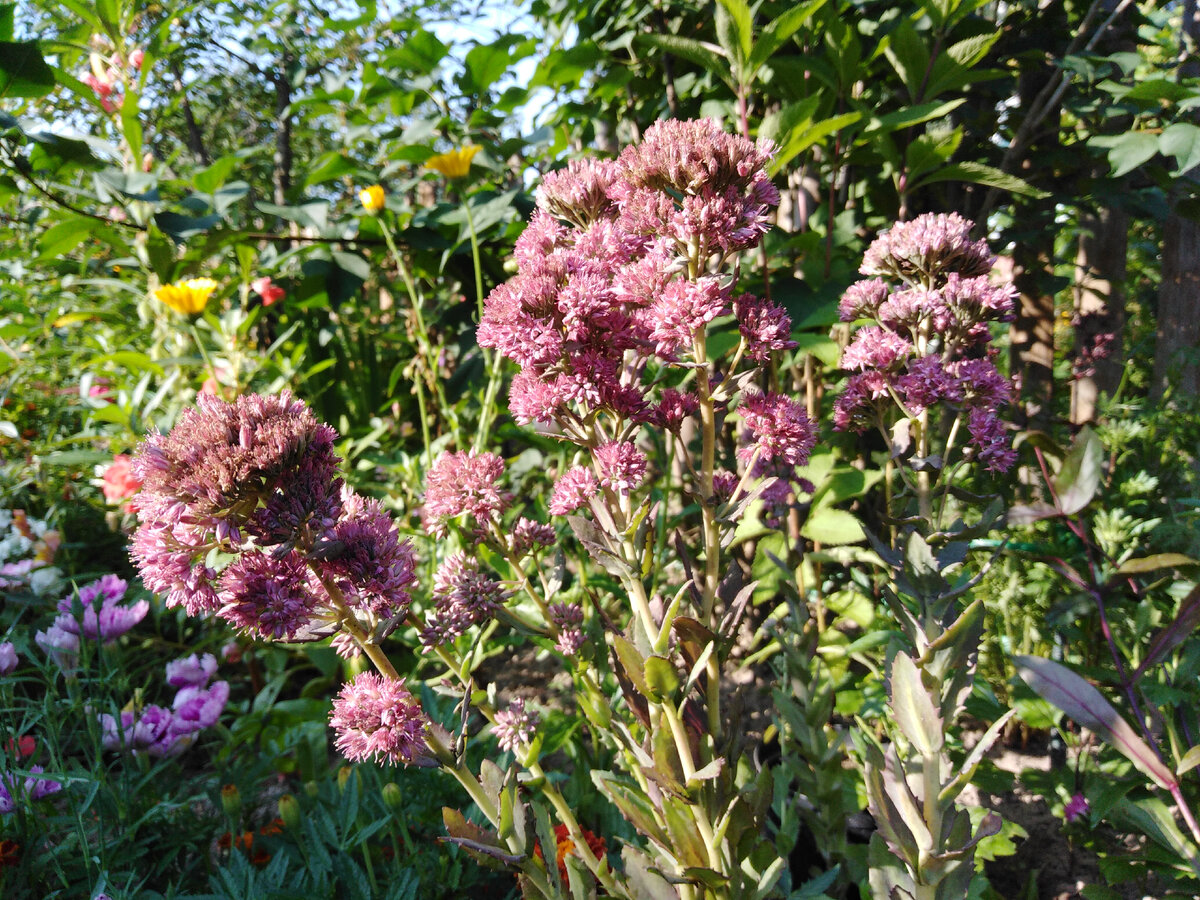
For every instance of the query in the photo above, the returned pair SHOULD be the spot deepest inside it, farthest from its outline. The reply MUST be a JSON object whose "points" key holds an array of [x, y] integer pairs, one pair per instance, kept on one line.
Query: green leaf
{"points": [[1154, 563], [801, 140], [916, 714], [1190, 760], [1127, 151], [779, 30], [708, 56], [661, 678], [65, 236], [828, 525], [6, 21], [907, 53], [735, 32], [978, 173], [912, 115], [1079, 476], [420, 53], [1078, 699], [1181, 141], [972, 50], [23, 71]]}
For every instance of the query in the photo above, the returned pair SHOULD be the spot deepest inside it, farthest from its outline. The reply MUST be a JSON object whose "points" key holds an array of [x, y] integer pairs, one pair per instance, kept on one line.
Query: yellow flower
{"points": [[372, 198], [188, 297], [454, 164]]}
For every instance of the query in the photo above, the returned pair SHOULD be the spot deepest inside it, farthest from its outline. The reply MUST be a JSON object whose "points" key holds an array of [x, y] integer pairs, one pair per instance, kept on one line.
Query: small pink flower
{"points": [[268, 290], [137, 57], [573, 490], [515, 726]]}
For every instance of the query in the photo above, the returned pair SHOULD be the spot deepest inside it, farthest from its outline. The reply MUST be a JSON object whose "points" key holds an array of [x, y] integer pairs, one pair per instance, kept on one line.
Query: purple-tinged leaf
{"points": [[1174, 634], [1062, 688]]}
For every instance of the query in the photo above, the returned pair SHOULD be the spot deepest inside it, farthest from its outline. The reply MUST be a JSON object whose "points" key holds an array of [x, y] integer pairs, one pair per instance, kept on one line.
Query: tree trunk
{"points": [[1177, 348], [1099, 308], [282, 175]]}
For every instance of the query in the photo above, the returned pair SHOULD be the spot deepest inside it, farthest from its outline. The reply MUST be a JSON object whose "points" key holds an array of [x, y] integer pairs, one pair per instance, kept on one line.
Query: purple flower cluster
{"points": [[376, 717], [256, 479], [930, 302], [463, 596], [13, 789], [159, 731], [94, 614], [611, 275]]}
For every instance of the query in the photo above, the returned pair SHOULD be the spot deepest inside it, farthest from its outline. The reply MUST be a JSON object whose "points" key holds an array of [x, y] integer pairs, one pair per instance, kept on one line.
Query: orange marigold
{"points": [[566, 846]]}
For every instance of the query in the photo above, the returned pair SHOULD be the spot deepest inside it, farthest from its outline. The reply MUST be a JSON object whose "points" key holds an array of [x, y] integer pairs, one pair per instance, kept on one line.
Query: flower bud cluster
{"points": [[930, 302]]}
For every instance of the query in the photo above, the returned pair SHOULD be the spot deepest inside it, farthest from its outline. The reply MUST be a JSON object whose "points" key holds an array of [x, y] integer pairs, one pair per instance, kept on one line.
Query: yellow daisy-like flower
{"points": [[454, 164], [188, 297], [372, 198]]}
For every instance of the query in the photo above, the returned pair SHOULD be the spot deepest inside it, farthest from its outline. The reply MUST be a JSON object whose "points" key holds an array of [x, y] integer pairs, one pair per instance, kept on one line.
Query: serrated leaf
{"points": [[1062, 688], [915, 712], [708, 56], [778, 30]]}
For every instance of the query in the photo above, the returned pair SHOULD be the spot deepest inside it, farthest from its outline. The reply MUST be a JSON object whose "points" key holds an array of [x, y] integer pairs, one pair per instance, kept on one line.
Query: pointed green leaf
{"points": [[1181, 141], [978, 173], [735, 29], [1079, 477], [779, 30]]}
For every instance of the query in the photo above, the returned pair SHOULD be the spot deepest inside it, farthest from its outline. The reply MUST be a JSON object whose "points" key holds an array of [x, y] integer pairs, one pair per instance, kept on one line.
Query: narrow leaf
{"points": [[1174, 634], [1062, 688], [1154, 563], [988, 176]]}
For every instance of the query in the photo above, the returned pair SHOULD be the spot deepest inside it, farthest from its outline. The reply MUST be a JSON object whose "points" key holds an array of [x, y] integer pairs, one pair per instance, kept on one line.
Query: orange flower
{"points": [[567, 846], [454, 164]]}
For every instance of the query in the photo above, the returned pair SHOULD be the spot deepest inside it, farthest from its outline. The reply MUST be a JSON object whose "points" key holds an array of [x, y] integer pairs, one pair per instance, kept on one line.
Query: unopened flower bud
{"points": [[393, 796], [312, 788], [289, 811], [147, 162], [344, 775], [231, 800]]}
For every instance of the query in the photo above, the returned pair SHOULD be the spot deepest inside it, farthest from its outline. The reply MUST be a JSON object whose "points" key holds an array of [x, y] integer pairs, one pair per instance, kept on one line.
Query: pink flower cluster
{"points": [[257, 480], [930, 302], [159, 731], [604, 286], [376, 717]]}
